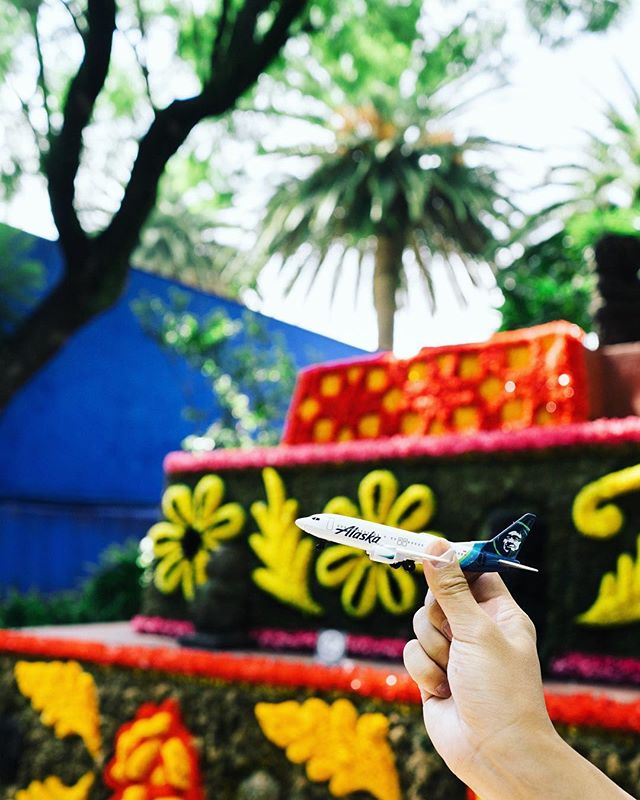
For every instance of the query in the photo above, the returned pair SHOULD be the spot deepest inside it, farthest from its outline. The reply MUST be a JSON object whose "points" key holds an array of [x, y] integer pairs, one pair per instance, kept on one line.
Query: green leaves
{"points": [[554, 278], [249, 369], [22, 279], [558, 20], [551, 280]]}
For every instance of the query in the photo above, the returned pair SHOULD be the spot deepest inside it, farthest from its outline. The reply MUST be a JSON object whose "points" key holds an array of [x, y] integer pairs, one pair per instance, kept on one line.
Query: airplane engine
{"points": [[382, 555]]}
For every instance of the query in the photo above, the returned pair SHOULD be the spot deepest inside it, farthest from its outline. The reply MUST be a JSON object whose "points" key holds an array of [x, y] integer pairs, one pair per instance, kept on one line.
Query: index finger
{"points": [[483, 586]]}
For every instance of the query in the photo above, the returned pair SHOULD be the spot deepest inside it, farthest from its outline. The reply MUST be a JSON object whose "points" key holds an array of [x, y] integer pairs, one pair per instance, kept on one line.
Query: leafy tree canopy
{"points": [[558, 21], [73, 67], [250, 370]]}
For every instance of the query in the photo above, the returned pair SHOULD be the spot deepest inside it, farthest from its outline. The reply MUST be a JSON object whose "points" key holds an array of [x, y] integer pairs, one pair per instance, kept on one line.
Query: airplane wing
{"points": [[415, 555], [516, 565]]}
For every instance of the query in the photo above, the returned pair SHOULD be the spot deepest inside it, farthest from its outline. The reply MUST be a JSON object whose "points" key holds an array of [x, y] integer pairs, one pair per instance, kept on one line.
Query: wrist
{"points": [[541, 764], [511, 765]]}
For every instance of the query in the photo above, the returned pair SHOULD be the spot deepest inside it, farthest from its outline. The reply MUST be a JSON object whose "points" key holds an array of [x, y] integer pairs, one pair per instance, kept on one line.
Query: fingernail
{"points": [[446, 629], [443, 690], [442, 548]]}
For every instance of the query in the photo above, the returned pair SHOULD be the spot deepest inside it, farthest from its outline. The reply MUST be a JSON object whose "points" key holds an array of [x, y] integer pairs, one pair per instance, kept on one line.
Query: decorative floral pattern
{"points": [[162, 626], [337, 745], [285, 553], [363, 581], [536, 376], [155, 757], [52, 788], [601, 521], [618, 601], [66, 697], [363, 646], [591, 667], [194, 526]]}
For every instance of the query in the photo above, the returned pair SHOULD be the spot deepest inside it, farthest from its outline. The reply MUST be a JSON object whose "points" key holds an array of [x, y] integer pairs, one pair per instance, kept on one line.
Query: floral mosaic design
{"points": [[195, 523], [365, 583], [618, 601], [595, 516], [593, 513], [52, 788], [280, 545], [154, 757], [66, 697], [336, 744]]}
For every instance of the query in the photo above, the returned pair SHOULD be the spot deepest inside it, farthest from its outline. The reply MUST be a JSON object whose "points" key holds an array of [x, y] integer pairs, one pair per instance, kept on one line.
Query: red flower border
{"points": [[390, 685], [595, 432]]}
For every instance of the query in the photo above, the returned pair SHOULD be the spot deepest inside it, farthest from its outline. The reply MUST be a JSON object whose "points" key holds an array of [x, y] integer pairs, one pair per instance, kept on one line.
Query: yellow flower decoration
{"points": [[195, 524], [284, 552], [601, 522], [52, 788], [66, 697], [335, 743], [618, 601], [362, 580]]}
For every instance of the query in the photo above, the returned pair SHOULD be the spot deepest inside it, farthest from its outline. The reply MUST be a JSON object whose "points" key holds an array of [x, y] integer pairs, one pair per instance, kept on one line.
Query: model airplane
{"points": [[400, 548]]}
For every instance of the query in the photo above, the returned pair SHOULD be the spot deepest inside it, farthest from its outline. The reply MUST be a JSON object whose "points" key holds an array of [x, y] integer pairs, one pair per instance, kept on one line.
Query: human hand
{"points": [[475, 662]]}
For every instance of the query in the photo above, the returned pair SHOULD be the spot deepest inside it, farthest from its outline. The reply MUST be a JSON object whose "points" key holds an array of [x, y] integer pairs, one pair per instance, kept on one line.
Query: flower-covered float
{"points": [[457, 441]]}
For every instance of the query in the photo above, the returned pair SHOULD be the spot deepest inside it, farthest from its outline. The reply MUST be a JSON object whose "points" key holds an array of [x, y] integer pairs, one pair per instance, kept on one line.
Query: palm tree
{"points": [[394, 182]]}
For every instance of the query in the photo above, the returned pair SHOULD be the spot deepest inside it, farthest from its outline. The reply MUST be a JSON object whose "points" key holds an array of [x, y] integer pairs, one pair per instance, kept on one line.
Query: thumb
{"points": [[451, 588]]}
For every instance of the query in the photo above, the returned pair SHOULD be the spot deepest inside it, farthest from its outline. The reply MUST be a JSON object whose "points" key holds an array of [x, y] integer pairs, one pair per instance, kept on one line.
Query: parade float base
{"points": [[581, 480], [114, 714]]}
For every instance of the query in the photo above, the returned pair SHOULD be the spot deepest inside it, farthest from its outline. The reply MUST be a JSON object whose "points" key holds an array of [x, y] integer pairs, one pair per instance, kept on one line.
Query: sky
{"points": [[554, 96]]}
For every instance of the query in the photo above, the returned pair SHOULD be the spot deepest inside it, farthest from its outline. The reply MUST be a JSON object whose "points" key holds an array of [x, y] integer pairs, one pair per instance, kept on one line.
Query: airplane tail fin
{"points": [[508, 542]]}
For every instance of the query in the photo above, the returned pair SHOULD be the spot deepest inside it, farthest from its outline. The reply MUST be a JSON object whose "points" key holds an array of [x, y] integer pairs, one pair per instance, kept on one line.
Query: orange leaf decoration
{"points": [[155, 757], [66, 696], [350, 751], [52, 788]]}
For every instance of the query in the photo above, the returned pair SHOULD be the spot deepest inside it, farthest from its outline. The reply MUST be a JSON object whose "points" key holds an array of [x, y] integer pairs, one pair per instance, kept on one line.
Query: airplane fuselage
{"points": [[394, 546]]}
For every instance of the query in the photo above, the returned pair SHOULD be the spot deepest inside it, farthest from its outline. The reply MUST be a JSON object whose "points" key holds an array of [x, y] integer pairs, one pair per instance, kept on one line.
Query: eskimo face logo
{"points": [[354, 532], [511, 542]]}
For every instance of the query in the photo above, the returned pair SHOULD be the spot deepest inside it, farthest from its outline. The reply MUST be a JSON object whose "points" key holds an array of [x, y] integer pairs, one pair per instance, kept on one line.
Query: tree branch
{"points": [[173, 124], [222, 28], [247, 70], [66, 146], [75, 17], [42, 80], [39, 138], [142, 62]]}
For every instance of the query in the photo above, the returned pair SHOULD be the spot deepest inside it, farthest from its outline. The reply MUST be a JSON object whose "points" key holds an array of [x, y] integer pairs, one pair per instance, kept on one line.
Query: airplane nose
{"points": [[305, 524]]}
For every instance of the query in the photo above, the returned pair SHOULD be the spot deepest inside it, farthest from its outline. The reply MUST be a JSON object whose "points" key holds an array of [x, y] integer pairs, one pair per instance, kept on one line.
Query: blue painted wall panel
{"points": [[93, 426], [51, 546]]}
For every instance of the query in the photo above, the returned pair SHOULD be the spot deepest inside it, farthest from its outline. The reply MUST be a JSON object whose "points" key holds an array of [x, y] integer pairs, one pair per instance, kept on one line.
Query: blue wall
{"points": [[81, 446]]}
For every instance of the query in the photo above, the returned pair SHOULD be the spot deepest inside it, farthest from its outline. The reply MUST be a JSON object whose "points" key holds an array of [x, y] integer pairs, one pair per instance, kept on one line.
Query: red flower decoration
{"points": [[154, 757]]}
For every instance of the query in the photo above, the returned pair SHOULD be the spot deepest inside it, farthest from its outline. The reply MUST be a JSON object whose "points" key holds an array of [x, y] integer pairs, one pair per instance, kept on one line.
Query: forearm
{"points": [[547, 768]]}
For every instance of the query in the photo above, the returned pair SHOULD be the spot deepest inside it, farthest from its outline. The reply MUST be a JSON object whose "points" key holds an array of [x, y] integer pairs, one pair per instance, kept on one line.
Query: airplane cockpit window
{"points": [[317, 519]]}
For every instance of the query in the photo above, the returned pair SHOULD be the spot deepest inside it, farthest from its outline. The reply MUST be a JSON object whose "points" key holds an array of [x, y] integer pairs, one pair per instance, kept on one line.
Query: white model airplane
{"points": [[400, 548]]}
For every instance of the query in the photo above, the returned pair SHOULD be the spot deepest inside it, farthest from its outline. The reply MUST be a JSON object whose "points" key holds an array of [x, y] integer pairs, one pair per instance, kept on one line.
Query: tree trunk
{"points": [[386, 279], [78, 298]]}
